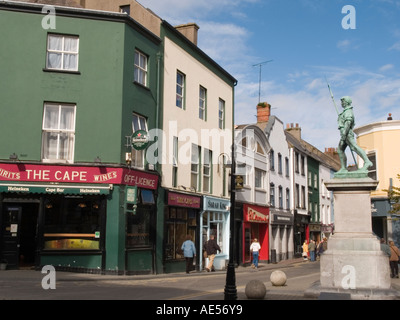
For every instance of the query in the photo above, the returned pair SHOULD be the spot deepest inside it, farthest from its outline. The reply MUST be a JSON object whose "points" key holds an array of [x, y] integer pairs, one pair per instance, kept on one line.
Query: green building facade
{"points": [[313, 198], [75, 85]]}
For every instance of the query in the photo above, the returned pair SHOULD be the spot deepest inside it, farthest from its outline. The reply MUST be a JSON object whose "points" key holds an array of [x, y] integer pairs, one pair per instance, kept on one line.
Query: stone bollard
{"points": [[255, 289], [278, 278]]}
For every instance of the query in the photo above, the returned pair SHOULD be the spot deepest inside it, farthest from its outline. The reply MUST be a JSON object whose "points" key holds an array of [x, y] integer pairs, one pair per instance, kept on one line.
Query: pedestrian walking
{"points": [[305, 250], [385, 248], [311, 249], [255, 251], [394, 260], [189, 252], [321, 247], [211, 247]]}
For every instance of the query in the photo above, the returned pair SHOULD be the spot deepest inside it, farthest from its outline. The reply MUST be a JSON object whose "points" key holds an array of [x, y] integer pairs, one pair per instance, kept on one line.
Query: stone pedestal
{"points": [[354, 262]]}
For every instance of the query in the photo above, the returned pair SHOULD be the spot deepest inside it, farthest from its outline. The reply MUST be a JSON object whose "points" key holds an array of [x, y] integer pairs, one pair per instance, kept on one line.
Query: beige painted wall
{"points": [[384, 139], [187, 121]]}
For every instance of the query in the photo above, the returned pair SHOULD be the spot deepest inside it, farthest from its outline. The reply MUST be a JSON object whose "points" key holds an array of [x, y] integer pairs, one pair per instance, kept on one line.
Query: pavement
{"points": [[295, 288]]}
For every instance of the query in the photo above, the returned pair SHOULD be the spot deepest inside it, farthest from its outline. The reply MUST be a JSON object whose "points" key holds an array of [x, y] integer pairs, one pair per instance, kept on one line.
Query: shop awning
{"points": [[56, 188]]}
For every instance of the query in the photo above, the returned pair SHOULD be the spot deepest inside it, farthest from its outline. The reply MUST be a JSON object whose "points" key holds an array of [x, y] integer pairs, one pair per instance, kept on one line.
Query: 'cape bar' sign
{"points": [[50, 173]]}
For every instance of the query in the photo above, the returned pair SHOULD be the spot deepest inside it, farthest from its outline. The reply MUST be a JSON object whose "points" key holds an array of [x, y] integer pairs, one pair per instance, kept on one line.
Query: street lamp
{"points": [[230, 285]]}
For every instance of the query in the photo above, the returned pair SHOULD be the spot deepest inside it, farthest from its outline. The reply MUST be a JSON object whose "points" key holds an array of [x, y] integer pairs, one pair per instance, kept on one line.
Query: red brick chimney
{"points": [[263, 112], [332, 152]]}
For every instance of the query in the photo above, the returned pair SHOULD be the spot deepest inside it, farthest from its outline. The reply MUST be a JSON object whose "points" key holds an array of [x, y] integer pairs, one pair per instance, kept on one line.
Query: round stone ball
{"points": [[255, 289], [278, 278]]}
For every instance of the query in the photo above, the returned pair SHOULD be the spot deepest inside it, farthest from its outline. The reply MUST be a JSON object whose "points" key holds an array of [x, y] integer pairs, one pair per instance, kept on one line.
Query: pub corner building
{"points": [[83, 219]]}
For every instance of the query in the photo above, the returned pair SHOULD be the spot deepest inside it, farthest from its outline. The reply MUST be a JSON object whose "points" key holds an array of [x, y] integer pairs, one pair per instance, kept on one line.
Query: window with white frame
{"points": [[58, 132], [180, 90], [138, 123], [207, 170], [140, 72], [259, 178], [280, 196], [202, 103], [195, 167], [272, 195], [221, 114], [62, 52]]}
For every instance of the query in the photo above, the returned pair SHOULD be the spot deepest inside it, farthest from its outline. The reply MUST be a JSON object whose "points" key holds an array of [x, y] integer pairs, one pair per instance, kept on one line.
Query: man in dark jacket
{"points": [[211, 247]]}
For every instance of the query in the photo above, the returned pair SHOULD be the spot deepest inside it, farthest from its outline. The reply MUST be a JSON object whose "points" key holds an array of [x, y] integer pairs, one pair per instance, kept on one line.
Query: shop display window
{"points": [[138, 227], [179, 223], [73, 223]]}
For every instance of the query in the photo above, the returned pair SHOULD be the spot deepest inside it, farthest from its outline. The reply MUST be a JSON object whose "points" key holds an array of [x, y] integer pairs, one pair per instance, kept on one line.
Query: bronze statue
{"points": [[346, 125]]}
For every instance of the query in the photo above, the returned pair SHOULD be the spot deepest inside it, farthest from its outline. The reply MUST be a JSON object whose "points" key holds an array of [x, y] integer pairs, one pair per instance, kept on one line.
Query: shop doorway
{"points": [[19, 234]]}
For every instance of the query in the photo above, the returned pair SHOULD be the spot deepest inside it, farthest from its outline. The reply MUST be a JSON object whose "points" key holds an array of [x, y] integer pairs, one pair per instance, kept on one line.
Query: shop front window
{"points": [[139, 222], [179, 223], [73, 223], [215, 223]]}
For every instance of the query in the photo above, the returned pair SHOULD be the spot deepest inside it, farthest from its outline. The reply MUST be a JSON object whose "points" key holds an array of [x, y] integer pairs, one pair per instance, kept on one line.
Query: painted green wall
{"points": [[313, 192], [96, 90], [103, 92]]}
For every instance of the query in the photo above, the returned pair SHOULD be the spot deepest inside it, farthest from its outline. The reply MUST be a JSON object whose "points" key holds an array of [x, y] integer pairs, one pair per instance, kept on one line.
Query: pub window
{"points": [[58, 132], [73, 222], [140, 68], [138, 123], [139, 224], [62, 52]]}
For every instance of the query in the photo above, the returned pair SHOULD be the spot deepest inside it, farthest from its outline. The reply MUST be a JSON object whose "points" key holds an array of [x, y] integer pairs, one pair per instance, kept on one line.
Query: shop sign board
{"points": [[255, 214], [183, 200], [76, 174], [215, 204]]}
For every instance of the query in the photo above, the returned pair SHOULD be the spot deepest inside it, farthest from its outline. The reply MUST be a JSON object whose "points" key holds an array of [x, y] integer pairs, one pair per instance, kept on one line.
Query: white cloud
{"points": [[386, 67], [395, 47]]}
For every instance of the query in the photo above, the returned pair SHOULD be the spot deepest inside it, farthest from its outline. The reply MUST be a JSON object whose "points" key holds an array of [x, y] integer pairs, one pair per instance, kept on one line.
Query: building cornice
{"points": [[377, 127]]}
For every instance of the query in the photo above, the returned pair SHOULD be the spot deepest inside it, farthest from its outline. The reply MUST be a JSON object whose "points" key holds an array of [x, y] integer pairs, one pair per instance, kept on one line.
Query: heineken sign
{"points": [[140, 140]]}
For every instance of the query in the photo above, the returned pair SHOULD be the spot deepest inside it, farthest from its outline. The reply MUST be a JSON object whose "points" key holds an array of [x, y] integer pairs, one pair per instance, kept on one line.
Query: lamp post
{"points": [[230, 285]]}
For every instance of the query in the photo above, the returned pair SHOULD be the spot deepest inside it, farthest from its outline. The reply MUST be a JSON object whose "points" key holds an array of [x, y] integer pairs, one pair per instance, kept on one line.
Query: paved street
{"points": [[27, 284]]}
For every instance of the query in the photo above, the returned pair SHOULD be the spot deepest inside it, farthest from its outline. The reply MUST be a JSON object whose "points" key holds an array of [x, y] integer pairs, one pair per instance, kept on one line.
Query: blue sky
{"points": [[306, 41]]}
